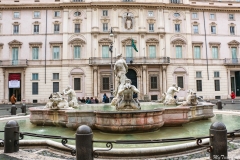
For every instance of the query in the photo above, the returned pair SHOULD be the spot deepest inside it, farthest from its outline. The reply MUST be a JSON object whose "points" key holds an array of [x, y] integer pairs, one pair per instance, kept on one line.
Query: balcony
{"points": [[231, 61], [129, 60], [14, 63]]}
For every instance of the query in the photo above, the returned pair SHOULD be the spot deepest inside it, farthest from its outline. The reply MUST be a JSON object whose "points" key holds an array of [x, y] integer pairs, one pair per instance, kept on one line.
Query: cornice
{"points": [[114, 5]]}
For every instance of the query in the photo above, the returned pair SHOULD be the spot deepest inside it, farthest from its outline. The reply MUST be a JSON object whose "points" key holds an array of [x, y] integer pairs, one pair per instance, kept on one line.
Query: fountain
{"points": [[128, 116]]}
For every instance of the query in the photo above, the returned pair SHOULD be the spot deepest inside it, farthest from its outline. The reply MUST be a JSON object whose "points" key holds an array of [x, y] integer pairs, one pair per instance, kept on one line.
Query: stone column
{"points": [[146, 97], [160, 20], [65, 34], [94, 19], [229, 81], [164, 78], [23, 96], [95, 81], [141, 24], [162, 46], [160, 80]]}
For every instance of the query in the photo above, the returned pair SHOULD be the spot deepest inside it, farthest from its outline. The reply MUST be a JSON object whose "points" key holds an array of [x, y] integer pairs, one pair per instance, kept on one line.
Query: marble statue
{"points": [[57, 102], [128, 22], [120, 70], [124, 91], [191, 99], [72, 99], [126, 100], [169, 99]]}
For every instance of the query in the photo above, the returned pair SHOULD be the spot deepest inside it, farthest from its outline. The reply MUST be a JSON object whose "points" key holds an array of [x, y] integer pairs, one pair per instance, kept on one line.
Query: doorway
{"points": [[237, 81], [131, 74], [14, 85]]}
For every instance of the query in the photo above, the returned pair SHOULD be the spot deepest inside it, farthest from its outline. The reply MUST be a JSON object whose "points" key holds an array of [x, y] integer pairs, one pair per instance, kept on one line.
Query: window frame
{"points": [[195, 15], [105, 27], [80, 85], [17, 30], [105, 75], [55, 76], [19, 16], [180, 76], [53, 52], [37, 91], [198, 74], [56, 16], [38, 16], [233, 17], [199, 88], [79, 51], [150, 14], [75, 28], [38, 29], [217, 85], [105, 13], [156, 83], [151, 27], [37, 53], [177, 29], [54, 88], [212, 18], [35, 76], [216, 74]]}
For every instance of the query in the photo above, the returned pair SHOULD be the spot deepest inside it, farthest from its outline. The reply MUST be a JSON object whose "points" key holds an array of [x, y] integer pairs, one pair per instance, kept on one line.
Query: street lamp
{"points": [[111, 79]]}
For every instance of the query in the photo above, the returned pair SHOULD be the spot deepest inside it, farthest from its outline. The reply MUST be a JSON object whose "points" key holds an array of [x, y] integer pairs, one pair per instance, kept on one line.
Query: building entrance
{"points": [[237, 81], [14, 85], [131, 74]]}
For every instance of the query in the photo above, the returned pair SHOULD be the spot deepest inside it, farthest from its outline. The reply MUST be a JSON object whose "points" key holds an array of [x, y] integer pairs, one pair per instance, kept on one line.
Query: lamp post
{"points": [[111, 79]]}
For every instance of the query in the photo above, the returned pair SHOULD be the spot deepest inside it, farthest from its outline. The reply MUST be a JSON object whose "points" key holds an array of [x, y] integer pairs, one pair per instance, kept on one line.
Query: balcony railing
{"points": [[14, 63], [130, 60], [231, 61], [175, 1]]}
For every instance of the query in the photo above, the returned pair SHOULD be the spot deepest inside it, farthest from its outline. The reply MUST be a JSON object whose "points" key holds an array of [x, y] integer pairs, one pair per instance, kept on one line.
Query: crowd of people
{"points": [[91, 100]]}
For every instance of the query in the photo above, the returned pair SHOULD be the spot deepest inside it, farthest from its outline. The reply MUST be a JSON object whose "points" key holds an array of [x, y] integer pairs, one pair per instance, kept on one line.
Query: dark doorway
{"points": [[237, 81], [131, 74], [14, 85]]}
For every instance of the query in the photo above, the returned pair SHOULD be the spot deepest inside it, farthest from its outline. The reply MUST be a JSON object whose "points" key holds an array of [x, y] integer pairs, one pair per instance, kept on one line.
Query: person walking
{"points": [[233, 96], [104, 98], [13, 99]]}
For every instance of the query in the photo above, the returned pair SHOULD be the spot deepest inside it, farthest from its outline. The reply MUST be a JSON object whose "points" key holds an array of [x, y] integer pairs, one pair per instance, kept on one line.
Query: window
{"points": [[199, 85], [56, 54], [152, 51], [77, 52], [77, 14], [234, 52], [231, 16], [212, 16], [15, 29], [34, 76], [154, 82], [56, 13], [151, 27], [215, 52], [180, 81], [178, 51], [216, 74], [16, 14], [129, 51], [77, 84], [197, 54], [175, 1], [35, 88], [194, 16], [217, 85], [105, 27], [176, 15], [14, 55], [177, 27], [213, 29], [56, 76], [36, 29], [232, 30], [77, 28], [35, 53], [150, 13], [198, 74], [55, 87], [56, 28], [36, 14], [105, 83], [195, 29], [105, 51], [105, 13]]}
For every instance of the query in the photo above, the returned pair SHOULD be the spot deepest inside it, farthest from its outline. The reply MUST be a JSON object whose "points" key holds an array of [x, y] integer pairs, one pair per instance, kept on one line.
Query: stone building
{"points": [[46, 45]]}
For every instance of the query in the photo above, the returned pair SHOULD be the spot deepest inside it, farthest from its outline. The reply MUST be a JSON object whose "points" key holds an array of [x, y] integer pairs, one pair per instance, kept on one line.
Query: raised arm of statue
{"points": [[125, 65]]}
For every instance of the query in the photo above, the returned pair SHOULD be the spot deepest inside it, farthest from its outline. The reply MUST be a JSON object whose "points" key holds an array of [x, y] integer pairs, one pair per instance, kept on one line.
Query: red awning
{"points": [[14, 76]]}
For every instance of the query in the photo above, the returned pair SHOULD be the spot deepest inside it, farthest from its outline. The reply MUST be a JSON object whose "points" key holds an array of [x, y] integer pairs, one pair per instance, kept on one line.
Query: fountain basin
{"points": [[122, 121], [131, 121]]}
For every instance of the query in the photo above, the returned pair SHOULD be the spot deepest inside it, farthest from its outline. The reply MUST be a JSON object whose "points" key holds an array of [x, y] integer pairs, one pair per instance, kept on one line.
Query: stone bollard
{"points": [[219, 104], [24, 108], [11, 138], [84, 144], [219, 141], [13, 110]]}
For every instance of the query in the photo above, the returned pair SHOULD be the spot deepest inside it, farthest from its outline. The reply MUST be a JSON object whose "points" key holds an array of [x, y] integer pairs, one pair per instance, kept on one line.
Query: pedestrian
{"points": [[107, 99], [13, 99], [79, 100], [83, 100], [96, 100], [92, 100], [233, 96], [88, 101], [104, 98]]}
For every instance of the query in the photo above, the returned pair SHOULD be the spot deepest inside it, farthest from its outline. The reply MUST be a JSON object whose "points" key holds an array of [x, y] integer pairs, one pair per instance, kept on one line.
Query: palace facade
{"points": [[46, 45]]}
